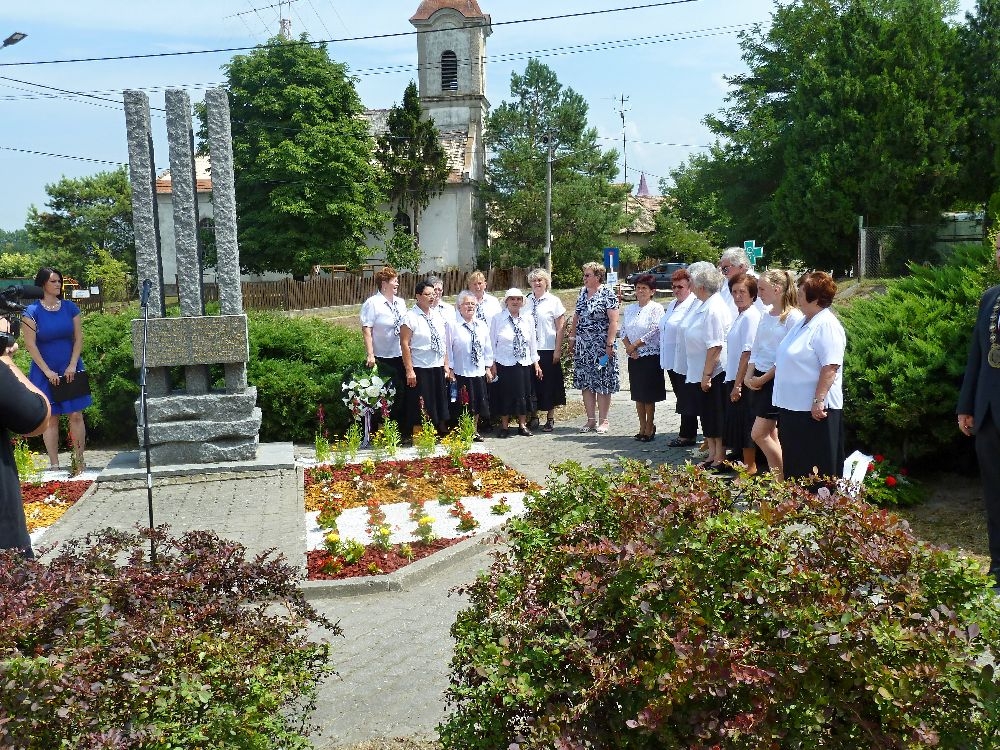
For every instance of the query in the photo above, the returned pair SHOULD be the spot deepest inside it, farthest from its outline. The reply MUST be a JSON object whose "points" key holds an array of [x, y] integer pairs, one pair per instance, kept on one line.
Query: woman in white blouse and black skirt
{"points": [[808, 384], [423, 340], [640, 334], [549, 314], [515, 358], [381, 318], [470, 354]]}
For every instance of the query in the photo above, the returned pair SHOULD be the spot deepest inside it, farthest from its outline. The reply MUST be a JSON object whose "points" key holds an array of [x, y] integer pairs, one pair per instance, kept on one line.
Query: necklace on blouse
{"points": [[53, 307]]}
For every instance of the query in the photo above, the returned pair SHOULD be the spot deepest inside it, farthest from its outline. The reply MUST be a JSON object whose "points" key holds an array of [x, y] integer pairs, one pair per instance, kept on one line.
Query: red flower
{"points": [[879, 458], [890, 481], [871, 467]]}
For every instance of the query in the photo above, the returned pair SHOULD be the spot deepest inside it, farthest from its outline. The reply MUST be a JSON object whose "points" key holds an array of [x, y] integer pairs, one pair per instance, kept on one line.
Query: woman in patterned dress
{"points": [[592, 334]]}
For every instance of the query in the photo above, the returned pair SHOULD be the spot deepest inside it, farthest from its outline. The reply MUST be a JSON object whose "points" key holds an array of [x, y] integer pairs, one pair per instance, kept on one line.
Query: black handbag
{"points": [[65, 391]]}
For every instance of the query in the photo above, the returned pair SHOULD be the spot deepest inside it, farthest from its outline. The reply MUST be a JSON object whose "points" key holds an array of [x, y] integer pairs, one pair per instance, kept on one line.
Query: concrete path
{"points": [[393, 660]]}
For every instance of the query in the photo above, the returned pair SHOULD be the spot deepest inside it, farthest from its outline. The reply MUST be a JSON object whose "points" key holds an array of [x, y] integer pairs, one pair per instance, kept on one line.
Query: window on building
{"points": [[402, 223], [449, 71]]}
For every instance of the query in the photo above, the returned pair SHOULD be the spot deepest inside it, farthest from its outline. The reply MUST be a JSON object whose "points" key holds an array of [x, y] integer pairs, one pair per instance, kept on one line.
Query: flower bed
{"points": [[45, 502], [373, 518]]}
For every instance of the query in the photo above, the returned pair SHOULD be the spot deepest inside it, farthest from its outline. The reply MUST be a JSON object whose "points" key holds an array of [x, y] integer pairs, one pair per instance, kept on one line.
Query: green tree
{"points": [[979, 63], [675, 240], [307, 186], [411, 154], [849, 108], [16, 241], [84, 215], [587, 208]]}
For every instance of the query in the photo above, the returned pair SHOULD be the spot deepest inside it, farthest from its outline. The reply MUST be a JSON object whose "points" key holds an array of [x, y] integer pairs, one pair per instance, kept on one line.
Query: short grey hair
{"points": [[435, 280], [541, 273], [736, 256], [706, 276], [463, 294]]}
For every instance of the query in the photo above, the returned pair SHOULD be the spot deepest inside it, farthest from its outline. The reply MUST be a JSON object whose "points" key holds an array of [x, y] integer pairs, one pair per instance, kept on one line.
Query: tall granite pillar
{"points": [[184, 200], [220, 142], [197, 425], [145, 220]]}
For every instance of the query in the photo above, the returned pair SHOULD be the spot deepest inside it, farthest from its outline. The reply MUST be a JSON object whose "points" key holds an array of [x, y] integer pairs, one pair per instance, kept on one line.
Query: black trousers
{"points": [[689, 422], [988, 451]]}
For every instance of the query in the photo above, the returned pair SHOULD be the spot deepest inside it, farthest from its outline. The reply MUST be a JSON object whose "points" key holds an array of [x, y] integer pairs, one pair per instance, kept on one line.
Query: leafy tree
{"points": [[16, 241], [402, 252], [979, 63], [307, 188], [849, 108], [675, 240], [587, 208], [695, 189], [84, 215], [17, 265], [113, 275], [411, 154]]}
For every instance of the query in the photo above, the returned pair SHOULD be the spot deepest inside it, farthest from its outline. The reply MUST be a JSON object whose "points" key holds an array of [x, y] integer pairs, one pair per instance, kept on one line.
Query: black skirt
{"points": [[645, 377], [431, 395], [394, 366], [511, 394], [739, 420], [712, 408], [761, 402], [809, 446], [472, 394], [550, 391]]}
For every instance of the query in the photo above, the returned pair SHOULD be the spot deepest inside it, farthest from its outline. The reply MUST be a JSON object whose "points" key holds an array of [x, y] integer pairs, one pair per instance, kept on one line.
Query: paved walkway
{"points": [[393, 659]]}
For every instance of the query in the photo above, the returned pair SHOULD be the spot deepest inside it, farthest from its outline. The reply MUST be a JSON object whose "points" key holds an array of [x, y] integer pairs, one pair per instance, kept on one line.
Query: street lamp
{"points": [[13, 39]]}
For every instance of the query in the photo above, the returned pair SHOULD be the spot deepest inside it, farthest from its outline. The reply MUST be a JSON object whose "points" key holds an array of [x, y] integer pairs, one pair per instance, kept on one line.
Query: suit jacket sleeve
{"points": [[970, 381]]}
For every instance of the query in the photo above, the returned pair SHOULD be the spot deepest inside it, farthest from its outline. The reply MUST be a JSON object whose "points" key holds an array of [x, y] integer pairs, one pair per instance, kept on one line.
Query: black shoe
{"points": [[647, 438], [533, 423], [549, 425], [679, 442], [477, 438], [503, 432], [638, 436], [524, 432]]}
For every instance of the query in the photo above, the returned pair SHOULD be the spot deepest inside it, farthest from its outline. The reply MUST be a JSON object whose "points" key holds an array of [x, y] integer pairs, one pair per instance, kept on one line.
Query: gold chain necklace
{"points": [[993, 357]]}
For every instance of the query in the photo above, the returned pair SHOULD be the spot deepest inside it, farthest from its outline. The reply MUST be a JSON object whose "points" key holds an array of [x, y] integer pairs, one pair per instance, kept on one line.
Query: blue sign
{"points": [[753, 252], [611, 258]]}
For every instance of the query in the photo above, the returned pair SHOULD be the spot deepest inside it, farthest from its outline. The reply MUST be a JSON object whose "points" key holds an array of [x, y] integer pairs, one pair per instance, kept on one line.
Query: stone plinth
{"points": [[192, 340]]}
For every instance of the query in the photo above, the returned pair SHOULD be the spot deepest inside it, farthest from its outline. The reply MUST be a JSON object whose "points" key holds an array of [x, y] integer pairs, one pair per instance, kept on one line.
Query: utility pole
{"points": [[621, 111], [548, 141]]}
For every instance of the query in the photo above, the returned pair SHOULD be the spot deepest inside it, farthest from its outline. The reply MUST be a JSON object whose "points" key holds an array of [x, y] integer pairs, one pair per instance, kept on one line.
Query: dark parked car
{"points": [[661, 273]]}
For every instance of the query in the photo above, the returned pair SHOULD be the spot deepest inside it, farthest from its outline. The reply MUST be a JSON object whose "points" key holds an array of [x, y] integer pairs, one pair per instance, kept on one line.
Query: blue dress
{"points": [[54, 338]]}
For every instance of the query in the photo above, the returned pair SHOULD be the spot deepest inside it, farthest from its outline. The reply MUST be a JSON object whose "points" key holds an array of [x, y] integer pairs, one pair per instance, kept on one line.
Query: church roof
{"points": [[643, 209], [468, 8], [457, 144]]}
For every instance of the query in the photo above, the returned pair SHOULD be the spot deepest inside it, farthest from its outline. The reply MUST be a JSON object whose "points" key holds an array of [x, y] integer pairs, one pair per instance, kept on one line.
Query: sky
{"points": [[669, 60]]}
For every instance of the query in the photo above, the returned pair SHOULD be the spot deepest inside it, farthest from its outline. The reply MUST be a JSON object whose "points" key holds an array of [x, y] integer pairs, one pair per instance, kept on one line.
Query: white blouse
{"points": [[680, 350], [486, 309], [739, 340], [770, 333], [672, 317], [460, 348], [642, 323], [709, 326], [422, 350], [502, 339], [546, 310], [806, 350], [377, 314]]}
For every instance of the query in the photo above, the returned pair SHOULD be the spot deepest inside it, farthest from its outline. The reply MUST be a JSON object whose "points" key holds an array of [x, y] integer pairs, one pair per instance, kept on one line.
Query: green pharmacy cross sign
{"points": [[753, 252]]}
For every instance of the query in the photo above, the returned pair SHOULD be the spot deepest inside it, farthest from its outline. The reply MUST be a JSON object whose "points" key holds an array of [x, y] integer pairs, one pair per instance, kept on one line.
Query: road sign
{"points": [[753, 252], [611, 258]]}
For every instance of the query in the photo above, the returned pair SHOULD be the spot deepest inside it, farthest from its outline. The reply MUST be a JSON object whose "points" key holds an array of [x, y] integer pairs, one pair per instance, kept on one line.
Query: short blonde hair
{"points": [[474, 276], [541, 273], [597, 269]]}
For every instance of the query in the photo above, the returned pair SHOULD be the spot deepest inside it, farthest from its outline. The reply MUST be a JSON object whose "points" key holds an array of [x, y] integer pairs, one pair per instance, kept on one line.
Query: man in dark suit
{"points": [[979, 410]]}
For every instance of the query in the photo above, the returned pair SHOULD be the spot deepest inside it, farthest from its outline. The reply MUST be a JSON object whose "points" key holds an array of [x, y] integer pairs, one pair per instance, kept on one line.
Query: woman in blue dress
{"points": [[54, 337], [592, 334]]}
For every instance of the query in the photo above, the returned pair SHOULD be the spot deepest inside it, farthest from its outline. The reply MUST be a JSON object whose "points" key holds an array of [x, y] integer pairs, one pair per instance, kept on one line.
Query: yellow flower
{"points": [[425, 521]]}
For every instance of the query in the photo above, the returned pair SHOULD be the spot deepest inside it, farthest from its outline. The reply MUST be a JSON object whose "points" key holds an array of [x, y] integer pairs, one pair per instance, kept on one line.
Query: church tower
{"points": [[451, 57]]}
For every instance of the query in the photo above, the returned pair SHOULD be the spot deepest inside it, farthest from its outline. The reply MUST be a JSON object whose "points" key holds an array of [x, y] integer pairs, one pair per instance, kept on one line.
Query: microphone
{"points": [[147, 287], [10, 295], [26, 291]]}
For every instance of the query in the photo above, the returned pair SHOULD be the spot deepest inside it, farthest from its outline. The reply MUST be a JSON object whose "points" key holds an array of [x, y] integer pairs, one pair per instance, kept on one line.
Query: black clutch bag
{"points": [[64, 391]]}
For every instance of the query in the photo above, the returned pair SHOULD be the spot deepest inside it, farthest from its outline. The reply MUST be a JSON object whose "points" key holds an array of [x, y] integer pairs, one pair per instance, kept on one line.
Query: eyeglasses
{"points": [[725, 269], [678, 286]]}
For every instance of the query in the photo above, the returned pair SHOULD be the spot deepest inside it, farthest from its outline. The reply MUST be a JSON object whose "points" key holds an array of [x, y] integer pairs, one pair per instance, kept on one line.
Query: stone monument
{"points": [[196, 424]]}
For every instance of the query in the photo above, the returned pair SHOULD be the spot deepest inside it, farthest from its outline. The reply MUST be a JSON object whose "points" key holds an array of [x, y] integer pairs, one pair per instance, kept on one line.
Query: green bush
{"points": [[906, 352], [663, 608], [298, 364], [206, 650]]}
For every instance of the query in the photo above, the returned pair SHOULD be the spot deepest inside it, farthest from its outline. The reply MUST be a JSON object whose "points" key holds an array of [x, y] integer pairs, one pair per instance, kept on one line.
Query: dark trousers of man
{"points": [[988, 451]]}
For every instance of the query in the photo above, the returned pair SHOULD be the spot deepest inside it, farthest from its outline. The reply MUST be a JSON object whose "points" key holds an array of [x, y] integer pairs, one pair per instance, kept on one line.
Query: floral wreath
{"points": [[368, 393]]}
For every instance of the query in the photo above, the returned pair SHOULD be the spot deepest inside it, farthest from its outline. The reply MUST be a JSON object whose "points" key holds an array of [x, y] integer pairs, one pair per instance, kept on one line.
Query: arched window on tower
{"points": [[449, 71]]}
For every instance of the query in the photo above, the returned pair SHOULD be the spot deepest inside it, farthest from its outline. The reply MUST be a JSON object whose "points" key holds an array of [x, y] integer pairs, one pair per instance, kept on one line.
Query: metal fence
{"points": [[885, 251]]}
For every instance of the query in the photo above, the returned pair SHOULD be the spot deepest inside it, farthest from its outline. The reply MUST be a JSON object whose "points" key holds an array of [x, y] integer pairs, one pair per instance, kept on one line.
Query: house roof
{"points": [[468, 8], [643, 210], [202, 172]]}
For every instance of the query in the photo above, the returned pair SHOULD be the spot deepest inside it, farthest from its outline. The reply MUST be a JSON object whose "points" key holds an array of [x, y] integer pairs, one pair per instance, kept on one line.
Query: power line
{"points": [[64, 156], [370, 37]]}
